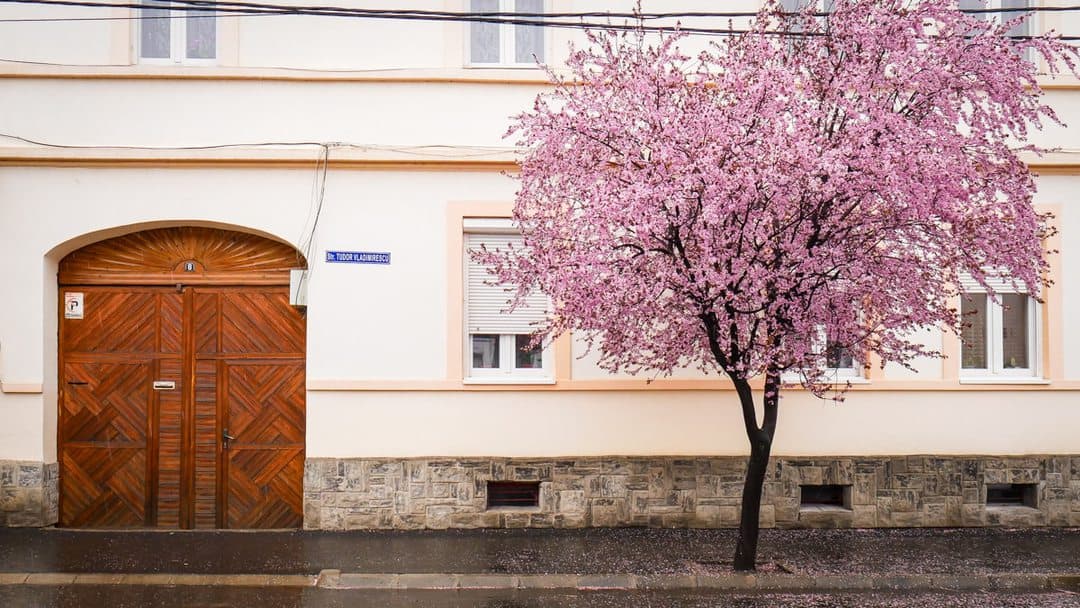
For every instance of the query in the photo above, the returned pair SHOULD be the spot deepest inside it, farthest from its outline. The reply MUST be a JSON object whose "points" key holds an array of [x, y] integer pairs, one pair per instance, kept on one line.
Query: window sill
{"points": [[509, 380], [501, 66], [1003, 380], [794, 379]]}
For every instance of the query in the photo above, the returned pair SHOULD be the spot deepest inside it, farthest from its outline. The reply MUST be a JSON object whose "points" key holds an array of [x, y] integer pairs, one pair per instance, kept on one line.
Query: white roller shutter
{"points": [[486, 304], [996, 281]]}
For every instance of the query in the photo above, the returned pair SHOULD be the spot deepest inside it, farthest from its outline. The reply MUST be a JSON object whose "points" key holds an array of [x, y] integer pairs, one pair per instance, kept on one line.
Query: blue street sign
{"points": [[358, 257]]}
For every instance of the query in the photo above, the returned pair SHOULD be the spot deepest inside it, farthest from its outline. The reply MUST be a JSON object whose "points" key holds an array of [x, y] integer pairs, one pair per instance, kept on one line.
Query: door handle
{"points": [[226, 437]]}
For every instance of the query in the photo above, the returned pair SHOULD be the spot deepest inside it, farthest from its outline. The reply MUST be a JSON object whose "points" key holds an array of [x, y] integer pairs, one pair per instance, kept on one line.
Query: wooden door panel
{"points": [[265, 488], [260, 322], [103, 488], [106, 403], [103, 430], [114, 321], [265, 460], [207, 444], [170, 444]]}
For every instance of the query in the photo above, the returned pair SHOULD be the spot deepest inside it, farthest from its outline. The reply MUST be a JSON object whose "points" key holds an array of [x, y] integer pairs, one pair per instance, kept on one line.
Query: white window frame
{"points": [[507, 372], [507, 45], [177, 40], [996, 371], [1032, 25], [834, 375]]}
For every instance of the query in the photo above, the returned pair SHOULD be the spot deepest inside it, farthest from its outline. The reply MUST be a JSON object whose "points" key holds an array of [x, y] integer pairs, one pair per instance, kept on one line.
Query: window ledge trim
{"points": [[476, 380], [1003, 380]]}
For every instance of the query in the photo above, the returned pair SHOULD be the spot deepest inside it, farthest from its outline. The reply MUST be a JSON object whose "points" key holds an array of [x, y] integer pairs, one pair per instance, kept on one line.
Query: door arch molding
{"points": [[161, 256]]}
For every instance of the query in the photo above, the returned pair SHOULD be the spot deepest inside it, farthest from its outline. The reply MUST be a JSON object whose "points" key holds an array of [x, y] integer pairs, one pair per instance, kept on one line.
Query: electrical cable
{"points": [[416, 150], [501, 18]]}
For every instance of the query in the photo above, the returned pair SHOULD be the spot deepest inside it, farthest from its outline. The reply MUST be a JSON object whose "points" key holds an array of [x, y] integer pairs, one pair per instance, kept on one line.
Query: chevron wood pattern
{"points": [[103, 454], [115, 321], [132, 456]]}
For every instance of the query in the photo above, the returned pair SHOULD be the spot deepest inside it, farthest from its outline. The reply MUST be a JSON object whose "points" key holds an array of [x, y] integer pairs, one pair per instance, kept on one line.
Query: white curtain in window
{"points": [[484, 37]]}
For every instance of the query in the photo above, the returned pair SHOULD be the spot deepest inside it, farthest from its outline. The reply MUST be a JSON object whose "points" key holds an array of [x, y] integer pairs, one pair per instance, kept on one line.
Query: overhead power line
{"points": [[572, 20]]}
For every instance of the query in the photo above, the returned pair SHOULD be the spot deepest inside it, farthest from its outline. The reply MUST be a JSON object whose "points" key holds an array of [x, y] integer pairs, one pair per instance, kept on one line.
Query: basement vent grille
{"points": [[837, 496], [1012, 495], [513, 494]]}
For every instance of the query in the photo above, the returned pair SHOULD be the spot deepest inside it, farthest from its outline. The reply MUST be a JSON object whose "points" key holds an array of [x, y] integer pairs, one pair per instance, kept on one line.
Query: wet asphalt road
{"points": [[618, 550], [202, 597]]}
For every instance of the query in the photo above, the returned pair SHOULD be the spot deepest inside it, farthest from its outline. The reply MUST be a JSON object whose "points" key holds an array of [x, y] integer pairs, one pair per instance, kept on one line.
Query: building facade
{"points": [[237, 295]]}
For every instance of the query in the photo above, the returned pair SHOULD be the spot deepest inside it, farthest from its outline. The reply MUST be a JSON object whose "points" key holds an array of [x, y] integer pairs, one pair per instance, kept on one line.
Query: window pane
{"points": [[1014, 331], [525, 357], [154, 26], [1018, 30], [838, 356], [201, 35], [528, 40], [485, 351], [484, 37], [973, 334], [968, 5]]}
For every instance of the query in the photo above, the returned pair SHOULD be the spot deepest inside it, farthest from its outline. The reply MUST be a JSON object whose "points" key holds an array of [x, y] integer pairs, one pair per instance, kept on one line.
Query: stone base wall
{"points": [[29, 494], [903, 491]]}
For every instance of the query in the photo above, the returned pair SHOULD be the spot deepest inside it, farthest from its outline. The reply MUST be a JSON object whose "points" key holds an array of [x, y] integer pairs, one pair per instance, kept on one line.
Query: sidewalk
{"points": [[789, 560]]}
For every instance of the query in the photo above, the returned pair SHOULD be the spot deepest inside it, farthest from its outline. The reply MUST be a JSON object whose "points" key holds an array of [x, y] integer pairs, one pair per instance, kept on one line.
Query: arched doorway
{"points": [[181, 383]]}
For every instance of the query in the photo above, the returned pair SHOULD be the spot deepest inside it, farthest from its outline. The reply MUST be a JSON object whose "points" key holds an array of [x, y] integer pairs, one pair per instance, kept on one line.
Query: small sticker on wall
{"points": [[73, 305]]}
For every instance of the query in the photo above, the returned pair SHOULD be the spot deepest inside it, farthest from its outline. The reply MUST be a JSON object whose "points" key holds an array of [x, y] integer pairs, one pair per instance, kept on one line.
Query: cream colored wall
{"points": [[22, 428], [575, 423], [387, 322], [1061, 190], [199, 112]]}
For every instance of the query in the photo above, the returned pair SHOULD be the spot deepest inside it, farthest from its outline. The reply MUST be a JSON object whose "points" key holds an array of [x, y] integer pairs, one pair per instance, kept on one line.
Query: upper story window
{"points": [[839, 362], [176, 36], [1002, 11], [497, 344], [504, 44], [836, 362], [999, 338]]}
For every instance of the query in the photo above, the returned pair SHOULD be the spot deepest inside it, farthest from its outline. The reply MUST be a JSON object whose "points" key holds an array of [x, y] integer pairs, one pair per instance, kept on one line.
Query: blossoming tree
{"points": [[809, 180]]}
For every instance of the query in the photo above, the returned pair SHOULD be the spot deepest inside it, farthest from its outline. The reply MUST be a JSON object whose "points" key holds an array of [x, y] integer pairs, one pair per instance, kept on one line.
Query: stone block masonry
{"points": [[696, 492], [28, 493]]}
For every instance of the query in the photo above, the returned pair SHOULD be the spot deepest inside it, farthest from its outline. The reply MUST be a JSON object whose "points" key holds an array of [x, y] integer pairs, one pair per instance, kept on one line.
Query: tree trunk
{"points": [[761, 439], [749, 522]]}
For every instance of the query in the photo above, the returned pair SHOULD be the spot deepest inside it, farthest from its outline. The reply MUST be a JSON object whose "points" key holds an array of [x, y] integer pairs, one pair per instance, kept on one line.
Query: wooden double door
{"points": [[181, 407]]}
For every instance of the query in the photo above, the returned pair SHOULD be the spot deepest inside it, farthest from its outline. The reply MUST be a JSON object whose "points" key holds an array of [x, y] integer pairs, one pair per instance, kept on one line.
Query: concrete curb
{"points": [[785, 583], [788, 583], [202, 580]]}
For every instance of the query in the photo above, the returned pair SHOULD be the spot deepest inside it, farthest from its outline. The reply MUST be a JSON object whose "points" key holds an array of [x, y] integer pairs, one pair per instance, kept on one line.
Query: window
{"points": [[497, 345], [840, 363], [498, 44], [999, 338], [176, 36], [1003, 10]]}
